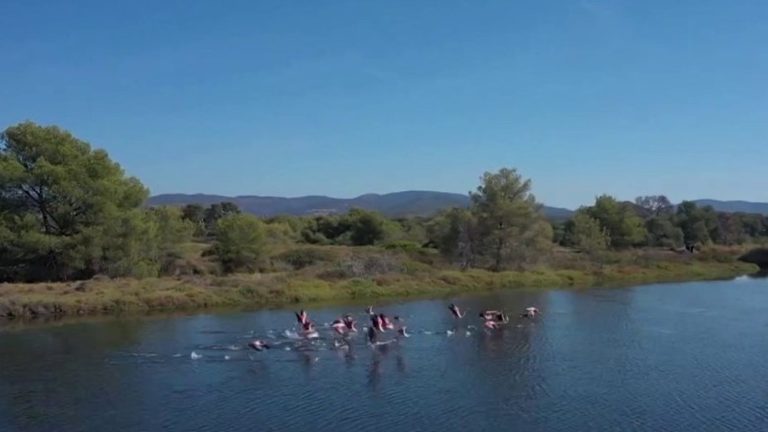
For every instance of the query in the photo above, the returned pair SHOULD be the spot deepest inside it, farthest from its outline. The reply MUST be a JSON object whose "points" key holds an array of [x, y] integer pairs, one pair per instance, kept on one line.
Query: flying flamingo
{"points": [[531, 312], [457, 313]]}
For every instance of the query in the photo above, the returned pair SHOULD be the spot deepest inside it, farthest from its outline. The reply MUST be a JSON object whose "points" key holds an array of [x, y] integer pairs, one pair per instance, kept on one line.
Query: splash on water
{"points": [[291, 334], [383, 342], [142, 354], [225, 347]]}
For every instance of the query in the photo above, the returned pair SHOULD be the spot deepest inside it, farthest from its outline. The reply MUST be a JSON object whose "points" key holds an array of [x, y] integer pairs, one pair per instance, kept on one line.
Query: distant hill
{"points": [[397, 204], [735, 206]]}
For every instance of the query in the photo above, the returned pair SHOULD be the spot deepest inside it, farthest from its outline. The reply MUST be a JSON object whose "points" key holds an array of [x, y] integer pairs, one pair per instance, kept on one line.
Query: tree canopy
{"points": [[239, 244], [624, 227], [66, 209], [586, 234], [511, 229], [656, 205], [699, 224], [454, 233]]}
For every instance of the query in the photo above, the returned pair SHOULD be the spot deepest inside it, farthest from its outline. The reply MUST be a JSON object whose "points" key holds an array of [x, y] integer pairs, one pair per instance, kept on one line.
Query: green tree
{"points": [[139, 243], [412, 229], [61, 200], [130, 246], [217, 211], [195, 214], [293, 225], [732, 229], [454, 233], [559, 231], [663, 232], [699, 224], [512, 231], [310, 233], [280, 233], [366, 227], [754, 225], [624, 227], [586, 234], [173, 231], [239, 244], [656, 205], [326, 229]]}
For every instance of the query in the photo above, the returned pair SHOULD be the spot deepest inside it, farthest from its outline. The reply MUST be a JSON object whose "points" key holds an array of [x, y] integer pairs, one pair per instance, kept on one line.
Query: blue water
{"points": [[674, 357]]}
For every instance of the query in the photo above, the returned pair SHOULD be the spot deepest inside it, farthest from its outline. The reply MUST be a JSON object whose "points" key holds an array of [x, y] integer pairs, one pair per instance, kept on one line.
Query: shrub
{"points": [[239, 243], [366, 266], [301, 258], [403, 245]]}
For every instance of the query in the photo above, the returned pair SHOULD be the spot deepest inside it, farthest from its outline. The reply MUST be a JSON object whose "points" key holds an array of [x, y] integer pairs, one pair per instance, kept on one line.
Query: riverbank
{"points": [[371, 275]]}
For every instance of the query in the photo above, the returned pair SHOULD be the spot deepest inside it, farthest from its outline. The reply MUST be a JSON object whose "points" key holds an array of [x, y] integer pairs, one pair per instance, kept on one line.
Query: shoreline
{"points": [[192, 294]]}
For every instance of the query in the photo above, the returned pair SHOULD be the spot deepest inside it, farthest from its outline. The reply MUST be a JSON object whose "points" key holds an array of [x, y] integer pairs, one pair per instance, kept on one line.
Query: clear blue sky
{"points": [[348, 97]]}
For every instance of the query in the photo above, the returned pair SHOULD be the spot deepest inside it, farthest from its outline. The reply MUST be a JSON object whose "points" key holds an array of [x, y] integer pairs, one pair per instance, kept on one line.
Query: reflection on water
{"points": [[655, 358]]}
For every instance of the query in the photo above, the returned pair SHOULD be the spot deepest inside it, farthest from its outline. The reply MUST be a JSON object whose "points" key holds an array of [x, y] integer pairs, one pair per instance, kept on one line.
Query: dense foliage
{"points": [[239, 244], [586, 233], [653, 221], [68, 212]]}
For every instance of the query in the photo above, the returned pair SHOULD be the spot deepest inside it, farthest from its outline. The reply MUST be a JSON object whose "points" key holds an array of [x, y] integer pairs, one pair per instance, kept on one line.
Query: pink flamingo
{"points": [[259, 345], [457, 313], [339, 326], [531, 312], [302, 317], [377, 323], [385, 322], [350, 324], [401, 328], [489, 314]]}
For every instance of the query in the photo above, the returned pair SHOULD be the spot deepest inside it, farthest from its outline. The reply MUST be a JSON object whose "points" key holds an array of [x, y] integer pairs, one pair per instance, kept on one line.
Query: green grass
{"points": [[335, 275]]}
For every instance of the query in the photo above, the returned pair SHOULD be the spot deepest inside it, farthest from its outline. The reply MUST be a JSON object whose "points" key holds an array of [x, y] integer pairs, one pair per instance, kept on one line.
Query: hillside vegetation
{"points": [[75, 238]]}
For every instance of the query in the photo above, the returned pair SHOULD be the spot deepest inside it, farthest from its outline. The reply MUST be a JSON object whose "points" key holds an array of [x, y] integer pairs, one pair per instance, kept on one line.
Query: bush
{"points": [[585, 234], [301, 258], [366, 266], [239, 243], [721, 255], [365, 227], [403, 245]]}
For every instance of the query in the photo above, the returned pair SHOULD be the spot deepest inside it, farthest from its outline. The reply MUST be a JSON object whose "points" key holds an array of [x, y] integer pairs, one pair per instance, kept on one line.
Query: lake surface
{"points": [[671, 357]]}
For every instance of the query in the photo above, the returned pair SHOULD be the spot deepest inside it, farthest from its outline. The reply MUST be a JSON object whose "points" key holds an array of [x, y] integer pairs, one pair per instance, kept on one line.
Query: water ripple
{"points": [[661, 358]]}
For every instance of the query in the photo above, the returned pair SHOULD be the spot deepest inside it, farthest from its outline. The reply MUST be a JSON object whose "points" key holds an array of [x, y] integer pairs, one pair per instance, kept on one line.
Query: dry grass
{"points": [[321, 274]]}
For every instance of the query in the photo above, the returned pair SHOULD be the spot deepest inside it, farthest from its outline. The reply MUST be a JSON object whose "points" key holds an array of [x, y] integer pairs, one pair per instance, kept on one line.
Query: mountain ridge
{"points": [[394, 204], [735, 206]]}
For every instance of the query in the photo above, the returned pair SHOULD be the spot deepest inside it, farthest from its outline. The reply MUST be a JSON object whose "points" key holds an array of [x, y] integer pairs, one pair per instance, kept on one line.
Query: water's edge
{"points": [[51, 311]]}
